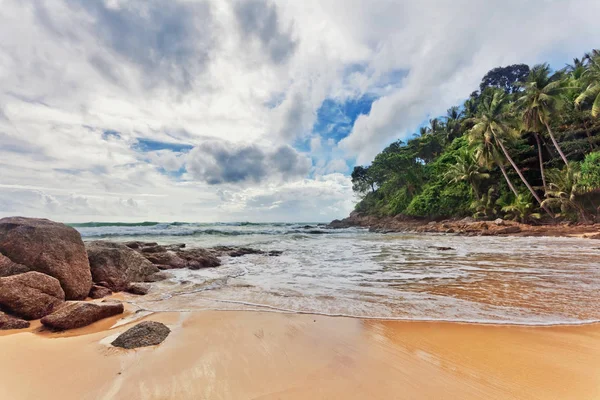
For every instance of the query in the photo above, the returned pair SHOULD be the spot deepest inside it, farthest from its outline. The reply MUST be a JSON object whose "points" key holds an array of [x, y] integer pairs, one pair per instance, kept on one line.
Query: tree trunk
{"points": [[562, 155], [510, 185], [539, 146], [509, 158]]}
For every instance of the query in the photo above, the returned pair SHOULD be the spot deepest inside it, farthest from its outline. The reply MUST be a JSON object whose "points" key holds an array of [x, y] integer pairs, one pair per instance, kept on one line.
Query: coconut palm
{"points": [[468, 170], [541, 100], [591, 78], [563, 189], [521, 209], [493, 126]]}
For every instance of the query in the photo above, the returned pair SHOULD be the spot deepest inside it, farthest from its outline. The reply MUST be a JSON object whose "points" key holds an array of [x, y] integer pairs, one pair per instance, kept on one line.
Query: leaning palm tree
{"points": [[541, 100], [468, 170], [494, 125], [591, 78]]}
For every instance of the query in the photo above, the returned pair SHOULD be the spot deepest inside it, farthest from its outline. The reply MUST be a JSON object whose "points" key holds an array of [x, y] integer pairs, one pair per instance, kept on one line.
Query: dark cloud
{"points": [[169, 40], [217, 162], [259, 19]]}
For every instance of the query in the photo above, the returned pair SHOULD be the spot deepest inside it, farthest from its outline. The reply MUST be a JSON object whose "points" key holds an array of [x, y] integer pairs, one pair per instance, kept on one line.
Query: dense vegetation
{"points": [[525, 146]]}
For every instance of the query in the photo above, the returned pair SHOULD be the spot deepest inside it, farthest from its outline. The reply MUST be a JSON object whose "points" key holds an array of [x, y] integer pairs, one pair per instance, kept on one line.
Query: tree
{"points": [[493, 126], [521, 209], [468, 170], [591, 78], [362, 181], [505, 78], [563, 189], [541, 101]]}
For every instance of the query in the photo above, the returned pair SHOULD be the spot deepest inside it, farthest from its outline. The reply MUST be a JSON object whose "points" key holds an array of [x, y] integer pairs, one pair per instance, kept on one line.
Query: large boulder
{"points": [[115, 265], [79, 314], [49, 247], [31, 295], [147, 333], [10, 322], [8, 268]]}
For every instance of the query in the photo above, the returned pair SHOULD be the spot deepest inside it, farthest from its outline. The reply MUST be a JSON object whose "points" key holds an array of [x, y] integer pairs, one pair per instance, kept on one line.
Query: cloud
{"points": [[218, 162], [258, 19], [171, 41]]}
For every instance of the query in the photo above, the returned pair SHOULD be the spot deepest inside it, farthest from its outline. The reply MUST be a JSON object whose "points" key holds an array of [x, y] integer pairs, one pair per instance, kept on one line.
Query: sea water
{"points": [[353, 272]]}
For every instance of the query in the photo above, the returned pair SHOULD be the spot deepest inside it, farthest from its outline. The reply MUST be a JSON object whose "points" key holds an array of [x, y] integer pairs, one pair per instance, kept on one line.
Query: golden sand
{"points": [[253, 355]]}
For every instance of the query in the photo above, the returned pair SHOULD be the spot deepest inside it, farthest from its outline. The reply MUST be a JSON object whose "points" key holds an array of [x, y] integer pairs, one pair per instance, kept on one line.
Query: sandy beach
{"points": [[257, 355]]}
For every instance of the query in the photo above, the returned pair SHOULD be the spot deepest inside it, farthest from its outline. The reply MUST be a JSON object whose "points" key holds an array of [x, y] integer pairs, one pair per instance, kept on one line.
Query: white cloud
{"points": [[243, 74]]}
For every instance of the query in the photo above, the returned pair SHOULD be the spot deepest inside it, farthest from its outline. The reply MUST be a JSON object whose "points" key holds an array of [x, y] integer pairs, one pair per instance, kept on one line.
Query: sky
{"points": [[230, 110]]}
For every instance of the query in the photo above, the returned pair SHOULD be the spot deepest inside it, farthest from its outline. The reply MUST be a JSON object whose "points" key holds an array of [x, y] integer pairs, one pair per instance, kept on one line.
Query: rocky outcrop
{"points": [[167, 260], [79, 314], [115, 265], [48, 247], [31, 295], [98, 292], [139, 288], [8, 268], [465, 226], [9, 322], [199, 258], [147, 333]]}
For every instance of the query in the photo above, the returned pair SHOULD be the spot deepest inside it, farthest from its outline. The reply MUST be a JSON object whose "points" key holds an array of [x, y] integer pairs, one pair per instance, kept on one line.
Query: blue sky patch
{"points": [[110, 133], [146, 145], [335, 119]]}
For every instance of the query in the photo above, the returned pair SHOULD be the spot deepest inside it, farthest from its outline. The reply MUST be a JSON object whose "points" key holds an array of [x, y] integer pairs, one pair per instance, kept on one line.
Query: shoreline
{"points": [[466, 227], [267, 355]]}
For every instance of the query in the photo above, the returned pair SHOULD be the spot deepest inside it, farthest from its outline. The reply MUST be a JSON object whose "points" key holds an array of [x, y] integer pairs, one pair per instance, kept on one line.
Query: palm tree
{"points": [[541, 101], [492, 127], [591, 77], [563, 189], [521, 209], [468, 170]]}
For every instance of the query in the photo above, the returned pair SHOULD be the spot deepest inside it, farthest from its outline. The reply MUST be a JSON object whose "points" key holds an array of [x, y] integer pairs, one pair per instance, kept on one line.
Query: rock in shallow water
{"points": [[116, 265], [31, 295], [139, 288], [147, 333], [10, 322], [79, 314], [49, 247]]}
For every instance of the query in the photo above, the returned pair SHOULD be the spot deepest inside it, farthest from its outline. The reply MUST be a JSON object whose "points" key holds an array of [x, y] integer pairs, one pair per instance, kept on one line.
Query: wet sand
{"points": [[257, 355]]}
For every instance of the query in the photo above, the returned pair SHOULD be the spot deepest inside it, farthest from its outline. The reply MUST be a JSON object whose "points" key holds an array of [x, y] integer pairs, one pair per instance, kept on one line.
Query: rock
{"points": [[79, 314], [139, 288], [153, 249], [31, 295], [168, 260], [159, 276], [594, 236], [441, 248], [275, 253], [508, 230], [49, 247], [116, 265], [98, 292], [8, 268], [499, 222], [199, 258], [9, 322], [147, 333]]}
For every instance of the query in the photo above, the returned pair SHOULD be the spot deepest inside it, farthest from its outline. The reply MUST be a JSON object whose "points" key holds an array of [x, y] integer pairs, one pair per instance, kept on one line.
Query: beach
{"points": [[262, 355]]}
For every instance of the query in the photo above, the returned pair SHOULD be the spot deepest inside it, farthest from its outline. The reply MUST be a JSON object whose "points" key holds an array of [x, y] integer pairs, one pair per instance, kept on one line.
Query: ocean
{"points": [[356, 273]]}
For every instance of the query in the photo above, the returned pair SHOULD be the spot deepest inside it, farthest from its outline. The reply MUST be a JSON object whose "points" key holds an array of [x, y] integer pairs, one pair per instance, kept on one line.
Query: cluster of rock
{"points": [[465, 226], [46, 270]]}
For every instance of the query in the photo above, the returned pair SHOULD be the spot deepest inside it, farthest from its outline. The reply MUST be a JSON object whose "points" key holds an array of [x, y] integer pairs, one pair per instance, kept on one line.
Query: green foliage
{"points": [[479, 159], [590, 171]]}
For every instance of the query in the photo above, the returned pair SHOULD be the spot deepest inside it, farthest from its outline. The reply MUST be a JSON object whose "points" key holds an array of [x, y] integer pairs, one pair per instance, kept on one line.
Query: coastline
{"points": [[262, 355], [465, 226]]}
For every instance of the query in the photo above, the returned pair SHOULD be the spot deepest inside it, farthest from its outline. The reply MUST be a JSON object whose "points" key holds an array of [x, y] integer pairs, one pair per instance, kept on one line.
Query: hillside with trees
{"points": [[525, 146]]}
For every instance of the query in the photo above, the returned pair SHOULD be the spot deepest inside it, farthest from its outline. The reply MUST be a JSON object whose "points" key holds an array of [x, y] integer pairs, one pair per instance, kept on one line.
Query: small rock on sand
{"points": [[147, 333], [31, 295], [98, 292], [139, 288]]}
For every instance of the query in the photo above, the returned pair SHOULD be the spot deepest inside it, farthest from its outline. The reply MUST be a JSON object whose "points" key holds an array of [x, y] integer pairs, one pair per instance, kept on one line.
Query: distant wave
{"points": [[104, 224], [116, 229]]}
